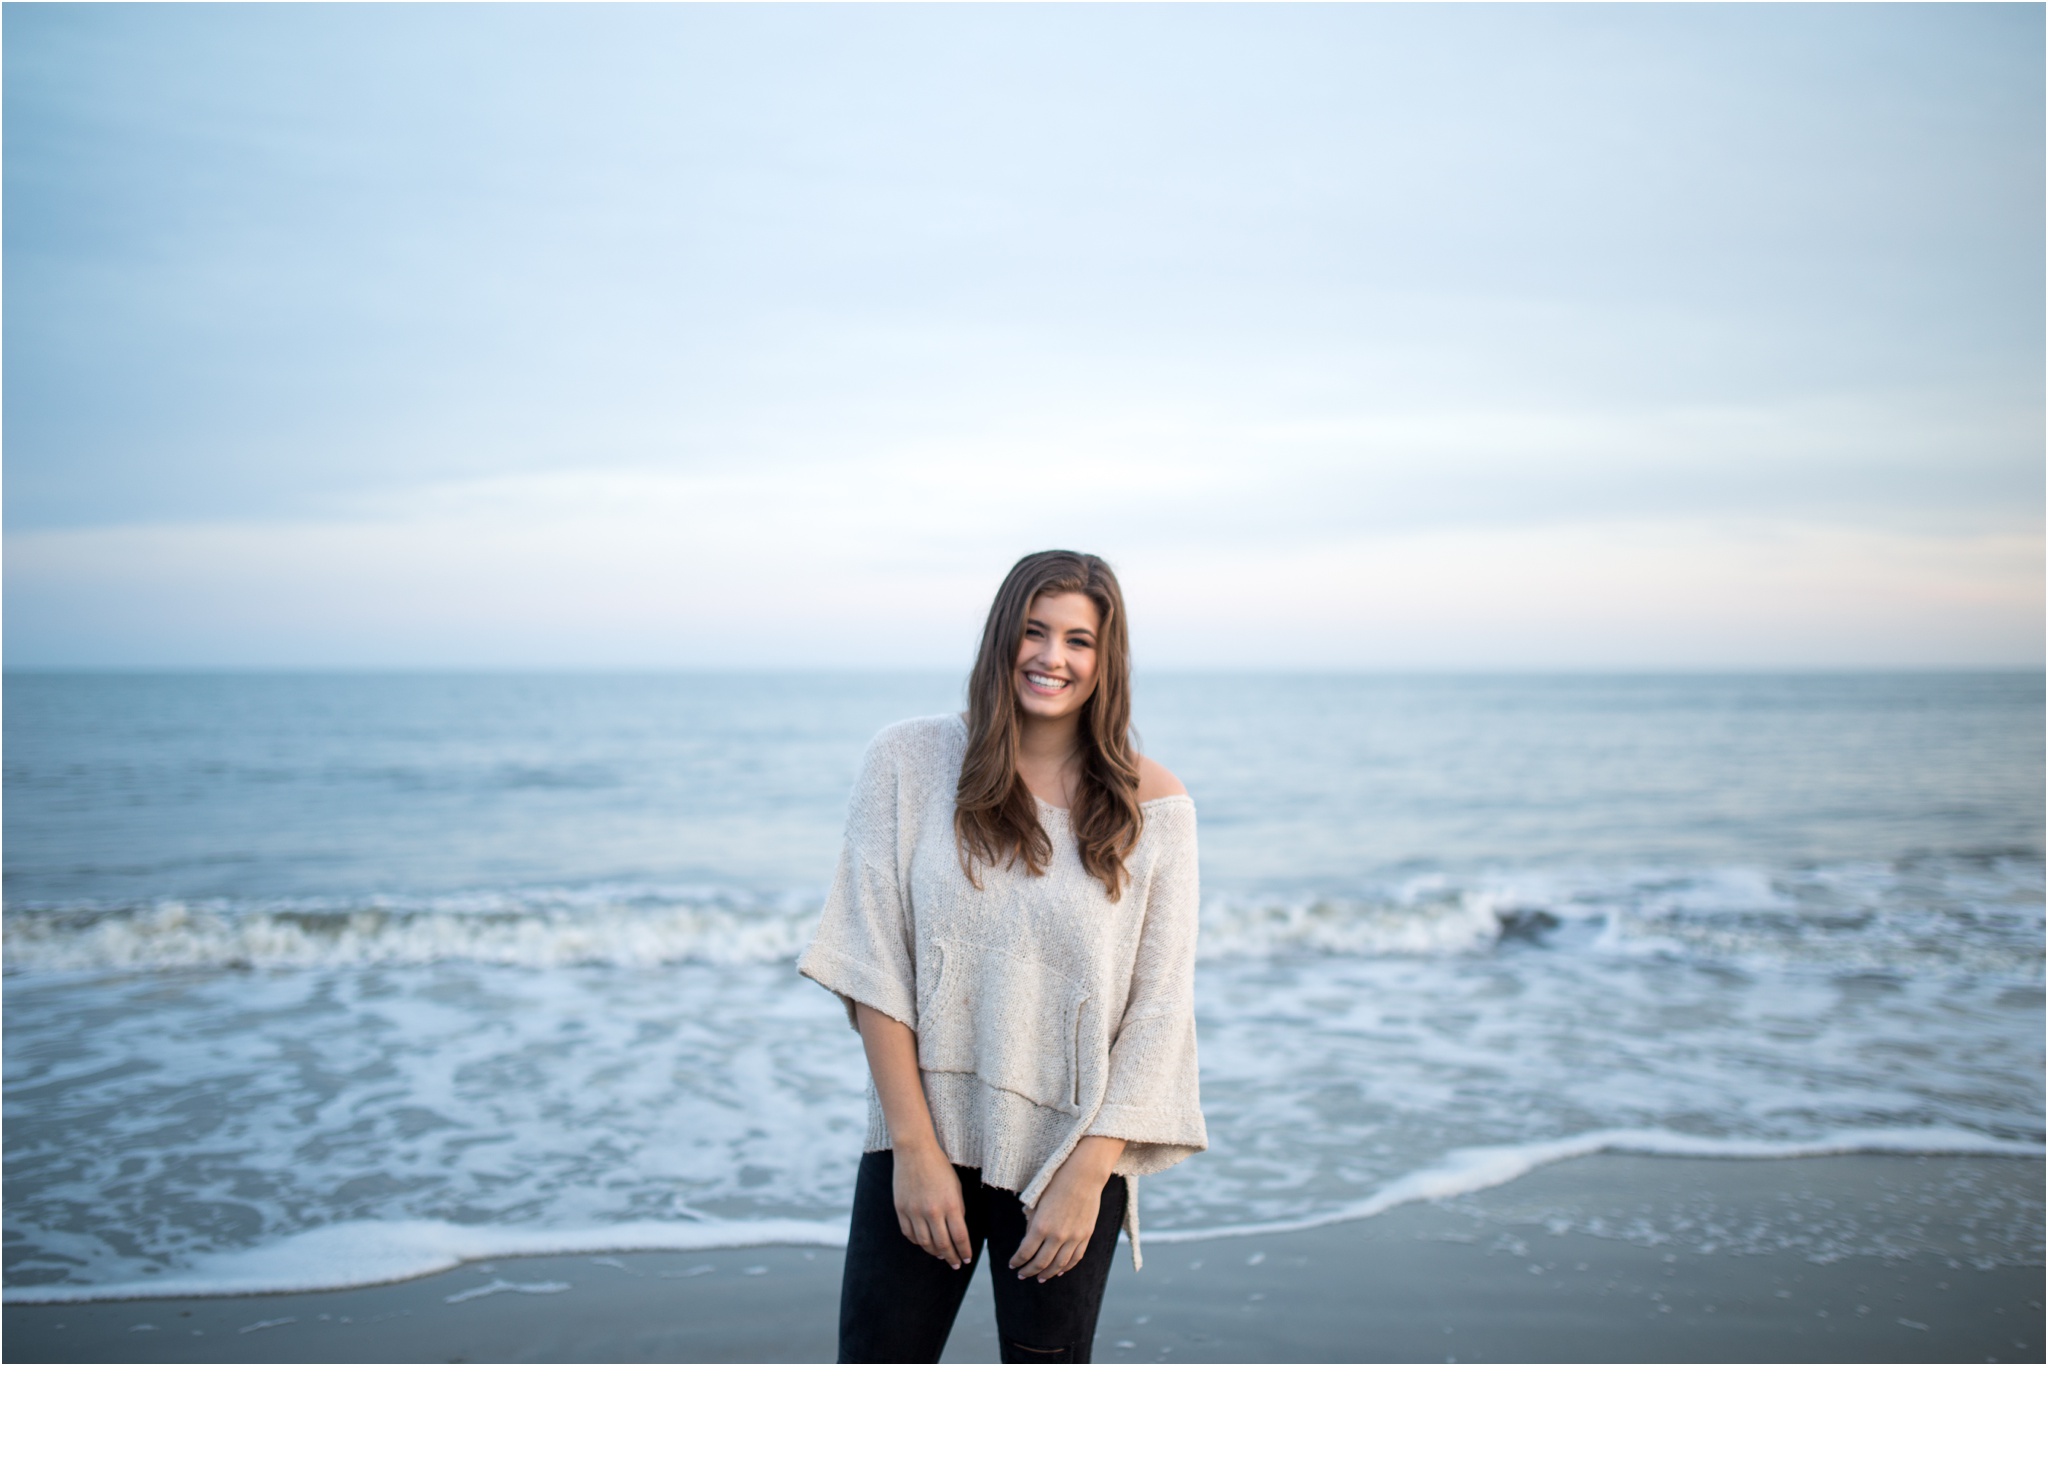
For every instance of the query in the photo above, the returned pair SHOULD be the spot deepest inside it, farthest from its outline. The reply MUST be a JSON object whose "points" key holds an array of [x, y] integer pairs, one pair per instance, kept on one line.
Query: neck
{"points": [[1049, 740]]}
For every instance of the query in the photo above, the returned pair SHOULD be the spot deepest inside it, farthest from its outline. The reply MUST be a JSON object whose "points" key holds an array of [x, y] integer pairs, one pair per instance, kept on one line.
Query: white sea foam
{"points": [[538, 934], [1480, 1168], [1424, 924], [533, 932], [505, 1285], [362, 1254], [548, 930], [1648, 912]]}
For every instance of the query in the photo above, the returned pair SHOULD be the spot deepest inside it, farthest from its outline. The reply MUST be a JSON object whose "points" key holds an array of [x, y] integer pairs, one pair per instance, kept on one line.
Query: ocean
{"points": [[315, 980]]}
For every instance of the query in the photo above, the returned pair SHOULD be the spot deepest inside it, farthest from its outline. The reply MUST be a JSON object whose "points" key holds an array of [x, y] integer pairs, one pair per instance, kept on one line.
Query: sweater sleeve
{"points": [[1153, 1098], [862, 950]]}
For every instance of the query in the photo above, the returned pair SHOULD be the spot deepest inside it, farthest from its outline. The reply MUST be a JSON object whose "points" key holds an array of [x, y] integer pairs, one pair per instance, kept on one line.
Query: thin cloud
{"points": [[563, 333]]}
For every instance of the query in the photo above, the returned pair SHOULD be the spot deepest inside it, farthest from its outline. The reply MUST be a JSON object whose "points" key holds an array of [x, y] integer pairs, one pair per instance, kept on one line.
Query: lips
{"points": [[1044, 683]]}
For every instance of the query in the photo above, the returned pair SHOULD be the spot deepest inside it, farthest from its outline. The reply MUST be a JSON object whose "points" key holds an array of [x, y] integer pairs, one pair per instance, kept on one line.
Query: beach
{"points": [[1581, 1262]]}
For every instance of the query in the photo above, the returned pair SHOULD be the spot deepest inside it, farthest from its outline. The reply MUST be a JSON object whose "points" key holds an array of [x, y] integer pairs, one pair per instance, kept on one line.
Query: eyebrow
{"points": [[1033, 621]]}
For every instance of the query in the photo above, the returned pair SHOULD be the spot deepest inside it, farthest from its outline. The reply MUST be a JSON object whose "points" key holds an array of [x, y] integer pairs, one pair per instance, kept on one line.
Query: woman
{"points": [[1012, 928]]}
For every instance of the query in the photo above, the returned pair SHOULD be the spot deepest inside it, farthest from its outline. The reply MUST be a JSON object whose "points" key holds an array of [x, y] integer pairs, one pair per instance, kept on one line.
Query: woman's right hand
{"points": [[928, 1204]]}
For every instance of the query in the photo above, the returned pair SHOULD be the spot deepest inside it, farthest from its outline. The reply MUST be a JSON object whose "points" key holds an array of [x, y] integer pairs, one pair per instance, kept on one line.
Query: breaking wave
{"points": [[641, 929], [538, 931]]}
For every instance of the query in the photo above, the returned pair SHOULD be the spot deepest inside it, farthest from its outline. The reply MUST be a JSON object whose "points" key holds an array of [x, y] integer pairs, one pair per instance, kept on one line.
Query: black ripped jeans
{"points": [[897, 1302]]}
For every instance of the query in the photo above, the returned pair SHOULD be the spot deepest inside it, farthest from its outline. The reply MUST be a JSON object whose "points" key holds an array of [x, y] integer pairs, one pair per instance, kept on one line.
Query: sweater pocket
{"points": [[1009, 1021]]}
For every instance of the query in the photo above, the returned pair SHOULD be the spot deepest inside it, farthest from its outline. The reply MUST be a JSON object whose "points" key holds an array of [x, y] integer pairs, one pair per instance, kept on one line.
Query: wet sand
{"points": [[1605, 1259]]}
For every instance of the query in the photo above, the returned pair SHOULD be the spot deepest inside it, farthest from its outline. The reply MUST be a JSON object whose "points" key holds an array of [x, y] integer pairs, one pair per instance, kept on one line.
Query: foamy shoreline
{"points": [[374, 1253], [1501, 1276]]}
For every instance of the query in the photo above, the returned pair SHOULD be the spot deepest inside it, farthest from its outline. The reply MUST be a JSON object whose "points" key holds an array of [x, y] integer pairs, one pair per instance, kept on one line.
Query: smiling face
{"points": [[1056, 661]]}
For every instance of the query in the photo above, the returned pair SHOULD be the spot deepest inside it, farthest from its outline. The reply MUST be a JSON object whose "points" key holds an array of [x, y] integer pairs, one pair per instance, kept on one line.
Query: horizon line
{"points": [[1817, 669]]}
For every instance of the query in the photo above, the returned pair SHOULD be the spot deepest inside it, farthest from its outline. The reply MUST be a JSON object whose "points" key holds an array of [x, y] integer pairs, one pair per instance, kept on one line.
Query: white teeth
{"points": [[1051, 684]]}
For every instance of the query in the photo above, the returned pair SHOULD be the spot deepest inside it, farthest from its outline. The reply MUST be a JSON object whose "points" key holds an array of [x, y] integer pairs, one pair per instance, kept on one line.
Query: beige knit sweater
{"points": [[1044, 1011]]}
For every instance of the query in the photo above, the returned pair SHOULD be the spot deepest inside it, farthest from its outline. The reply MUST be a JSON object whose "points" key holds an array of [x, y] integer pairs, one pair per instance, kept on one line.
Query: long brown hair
{"points": [[995, 819]]}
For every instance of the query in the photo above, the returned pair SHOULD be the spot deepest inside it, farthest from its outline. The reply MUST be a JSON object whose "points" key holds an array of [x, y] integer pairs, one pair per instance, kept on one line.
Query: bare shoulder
{"points": [[1156, 781]]}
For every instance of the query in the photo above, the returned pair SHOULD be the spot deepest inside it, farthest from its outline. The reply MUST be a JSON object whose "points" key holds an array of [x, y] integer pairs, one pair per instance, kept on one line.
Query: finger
{"points": [[1049, 1263], [1027, 1251], [941, 1227], [963, 1245], [1046, 1260], [1079, 1251], [938, 1226], [1063, 1260], [1035, 1254]]}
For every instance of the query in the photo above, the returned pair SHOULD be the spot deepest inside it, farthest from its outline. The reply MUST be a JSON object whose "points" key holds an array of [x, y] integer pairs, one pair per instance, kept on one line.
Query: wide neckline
{"points": [[1062, 809], [959, 720]]}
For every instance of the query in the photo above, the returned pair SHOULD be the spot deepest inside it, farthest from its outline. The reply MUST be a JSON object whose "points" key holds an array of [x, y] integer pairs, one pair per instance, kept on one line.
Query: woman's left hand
{"points": [[1064, 1219]]}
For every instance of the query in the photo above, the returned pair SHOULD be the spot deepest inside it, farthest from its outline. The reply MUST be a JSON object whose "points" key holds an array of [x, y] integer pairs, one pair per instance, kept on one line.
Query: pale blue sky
{"points": [[1356, 335]]}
